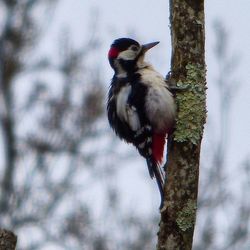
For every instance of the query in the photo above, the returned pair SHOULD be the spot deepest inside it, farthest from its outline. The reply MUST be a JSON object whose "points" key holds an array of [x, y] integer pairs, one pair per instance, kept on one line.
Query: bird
{"points": [[140, 105]]}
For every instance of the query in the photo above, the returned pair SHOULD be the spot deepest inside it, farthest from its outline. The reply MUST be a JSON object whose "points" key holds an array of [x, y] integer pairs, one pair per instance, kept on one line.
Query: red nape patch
{"points": [[113, 53], [158, 147]]}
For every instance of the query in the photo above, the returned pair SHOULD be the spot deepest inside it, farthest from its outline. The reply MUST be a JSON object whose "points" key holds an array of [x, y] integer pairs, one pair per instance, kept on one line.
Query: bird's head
{"points": [[127, 55]]}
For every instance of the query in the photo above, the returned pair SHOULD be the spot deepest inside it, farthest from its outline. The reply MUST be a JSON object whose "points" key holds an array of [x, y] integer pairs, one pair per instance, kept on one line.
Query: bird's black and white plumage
{"points": [[140, 107]]}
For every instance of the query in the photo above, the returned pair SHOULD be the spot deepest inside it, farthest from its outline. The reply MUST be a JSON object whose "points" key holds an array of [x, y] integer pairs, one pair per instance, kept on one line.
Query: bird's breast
{"points": [[159, 102]]}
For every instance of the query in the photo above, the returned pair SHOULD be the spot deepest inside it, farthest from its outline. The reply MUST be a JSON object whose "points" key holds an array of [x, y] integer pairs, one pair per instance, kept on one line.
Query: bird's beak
{"points": [[146, 47]]}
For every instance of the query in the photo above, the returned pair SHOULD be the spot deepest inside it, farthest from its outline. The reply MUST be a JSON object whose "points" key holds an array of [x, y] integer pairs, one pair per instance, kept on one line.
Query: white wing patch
{"points": [[126, 112], [133, 119], [121, 102]]}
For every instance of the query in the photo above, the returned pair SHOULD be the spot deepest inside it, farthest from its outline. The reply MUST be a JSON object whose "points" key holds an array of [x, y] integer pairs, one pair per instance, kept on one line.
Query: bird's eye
{"points": [[134, 48]]}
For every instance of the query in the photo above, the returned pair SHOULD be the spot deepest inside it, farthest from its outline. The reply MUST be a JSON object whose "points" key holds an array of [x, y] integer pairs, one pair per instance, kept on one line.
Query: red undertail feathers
{"points": [[158, 147]]}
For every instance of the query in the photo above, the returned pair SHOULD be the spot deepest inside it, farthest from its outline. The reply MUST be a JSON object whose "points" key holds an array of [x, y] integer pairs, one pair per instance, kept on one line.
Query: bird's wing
{"points": [[122, 116], [126, 111], [132, 117]]}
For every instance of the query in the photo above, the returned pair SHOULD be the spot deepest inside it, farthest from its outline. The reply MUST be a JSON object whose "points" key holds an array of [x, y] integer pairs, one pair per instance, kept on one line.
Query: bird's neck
{"points": [[125, 69]]}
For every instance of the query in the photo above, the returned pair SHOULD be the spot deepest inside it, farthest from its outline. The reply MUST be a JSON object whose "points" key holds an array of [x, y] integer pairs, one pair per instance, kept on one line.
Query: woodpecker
{"points": [[140, 106]]}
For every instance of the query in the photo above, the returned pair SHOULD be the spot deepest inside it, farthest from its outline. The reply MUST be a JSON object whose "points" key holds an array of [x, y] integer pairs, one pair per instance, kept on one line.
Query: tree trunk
{"points": [[188, 73], [7, 240]]}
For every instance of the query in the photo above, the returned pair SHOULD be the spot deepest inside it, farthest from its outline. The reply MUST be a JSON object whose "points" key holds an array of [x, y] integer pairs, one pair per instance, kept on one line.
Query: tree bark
{"points": [[8, 240], [188, 73]]}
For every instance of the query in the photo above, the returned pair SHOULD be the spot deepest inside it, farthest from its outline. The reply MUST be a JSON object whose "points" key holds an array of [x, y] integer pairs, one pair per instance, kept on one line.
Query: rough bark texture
{"points": [[188, 72], [8, 240]]}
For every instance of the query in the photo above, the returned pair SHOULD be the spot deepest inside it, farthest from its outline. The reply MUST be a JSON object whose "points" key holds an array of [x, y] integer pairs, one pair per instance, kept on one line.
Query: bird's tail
{"points": [[156, 171], [151, 146], [154, 162]]}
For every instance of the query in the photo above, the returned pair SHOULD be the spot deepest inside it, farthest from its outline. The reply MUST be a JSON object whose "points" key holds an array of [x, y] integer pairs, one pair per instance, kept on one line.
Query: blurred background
{"points": [[66, 181]]}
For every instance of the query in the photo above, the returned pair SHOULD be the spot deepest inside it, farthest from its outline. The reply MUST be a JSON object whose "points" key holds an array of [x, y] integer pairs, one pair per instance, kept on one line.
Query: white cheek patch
{"points": [[127, 55]]}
